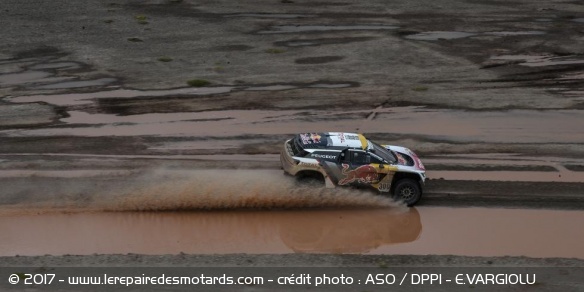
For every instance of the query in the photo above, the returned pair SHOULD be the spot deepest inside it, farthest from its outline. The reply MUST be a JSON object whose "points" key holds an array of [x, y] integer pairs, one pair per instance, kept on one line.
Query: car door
{"points": [[385, 172], [357, 169]]}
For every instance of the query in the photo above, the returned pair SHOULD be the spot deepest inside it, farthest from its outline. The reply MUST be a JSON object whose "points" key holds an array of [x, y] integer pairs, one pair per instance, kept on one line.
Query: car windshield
{"points": [[381, 151]]}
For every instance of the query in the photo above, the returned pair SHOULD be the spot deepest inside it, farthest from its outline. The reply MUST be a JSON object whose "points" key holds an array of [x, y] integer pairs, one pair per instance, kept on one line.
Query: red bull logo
{"points": [[362, 174]]}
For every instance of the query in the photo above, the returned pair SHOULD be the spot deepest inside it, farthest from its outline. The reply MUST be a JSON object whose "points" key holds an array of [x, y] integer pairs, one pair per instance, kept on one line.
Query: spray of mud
{"points": [[166, 189]]}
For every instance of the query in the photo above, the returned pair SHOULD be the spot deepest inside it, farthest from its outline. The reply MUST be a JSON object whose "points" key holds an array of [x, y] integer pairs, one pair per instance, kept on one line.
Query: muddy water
{"points": [[561, 173], [519, 126], [458, 231]]}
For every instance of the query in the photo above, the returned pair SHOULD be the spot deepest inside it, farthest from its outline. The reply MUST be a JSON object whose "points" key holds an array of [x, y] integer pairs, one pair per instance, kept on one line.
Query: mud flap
{"points": [[328, 183]]}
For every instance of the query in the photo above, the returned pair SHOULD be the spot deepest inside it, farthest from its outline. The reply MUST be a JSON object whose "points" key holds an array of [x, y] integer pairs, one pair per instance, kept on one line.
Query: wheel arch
{"points": [[310, 174], [403, 175]]}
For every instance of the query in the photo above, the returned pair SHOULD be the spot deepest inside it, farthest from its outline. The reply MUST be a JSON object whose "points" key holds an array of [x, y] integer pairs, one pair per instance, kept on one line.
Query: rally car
{"points": [[350, 159]]}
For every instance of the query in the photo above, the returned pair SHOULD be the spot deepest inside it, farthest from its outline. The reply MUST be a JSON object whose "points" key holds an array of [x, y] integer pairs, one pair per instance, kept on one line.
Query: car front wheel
{"points": [[407, 191]]}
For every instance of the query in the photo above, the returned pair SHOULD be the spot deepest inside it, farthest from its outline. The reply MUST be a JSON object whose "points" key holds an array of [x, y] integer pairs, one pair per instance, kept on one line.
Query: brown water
{"points": [[518, 126], [561, 173], [425, 230]]}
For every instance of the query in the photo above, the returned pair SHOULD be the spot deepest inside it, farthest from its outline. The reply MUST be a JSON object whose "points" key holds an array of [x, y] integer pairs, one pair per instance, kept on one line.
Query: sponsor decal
{"points": [[342, 137], [401, 160], [384, 187], [362, 174], [420, 165], [308, 165], [310, 138], [325, 156], [352, 137]]}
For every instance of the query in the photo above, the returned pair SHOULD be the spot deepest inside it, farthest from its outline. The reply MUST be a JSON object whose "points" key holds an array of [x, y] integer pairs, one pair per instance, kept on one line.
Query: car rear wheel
{"points": [[407, 191]]}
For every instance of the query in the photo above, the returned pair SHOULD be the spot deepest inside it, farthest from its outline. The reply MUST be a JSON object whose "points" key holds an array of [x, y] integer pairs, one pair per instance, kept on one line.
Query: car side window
{"points": [[360, 157], [376, 159], [345, 156]]}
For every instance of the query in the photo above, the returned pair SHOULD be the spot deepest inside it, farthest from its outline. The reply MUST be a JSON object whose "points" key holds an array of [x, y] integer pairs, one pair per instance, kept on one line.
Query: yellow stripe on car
{"points": [[363, 141]]}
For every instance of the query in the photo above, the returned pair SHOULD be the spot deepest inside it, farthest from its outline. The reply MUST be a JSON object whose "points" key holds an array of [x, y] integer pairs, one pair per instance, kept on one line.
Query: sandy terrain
{"points": [[97, 114]]}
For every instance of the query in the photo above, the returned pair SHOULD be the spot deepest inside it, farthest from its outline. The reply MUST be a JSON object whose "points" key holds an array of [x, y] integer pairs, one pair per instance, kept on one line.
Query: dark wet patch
{"points": [[483, 167], [451, 35], [497, 3], [14, 116], [439, 35], [321, 41], [232, 48], [403, 103], [515, 33], [320, 4], [208, 120], [180, 9], [269, 15], [41, 51], [78, 84], [318, 60], [257, 96], [538, 75], [47, 73], [56, 66], [404, 33], [73, 145], [579, 106], [289, 29], [504, 193], [574, 167], [566, 79]]}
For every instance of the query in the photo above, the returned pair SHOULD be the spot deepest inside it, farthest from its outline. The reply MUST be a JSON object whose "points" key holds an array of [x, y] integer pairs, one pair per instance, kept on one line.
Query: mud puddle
{"points": [[88, 98], [526, 176], [490, 168], [517, 126], [171, 189], [424, 230], [552, 169]]}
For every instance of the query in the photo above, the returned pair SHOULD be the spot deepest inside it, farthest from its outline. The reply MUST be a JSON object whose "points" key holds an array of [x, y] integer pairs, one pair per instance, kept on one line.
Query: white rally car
{"points": [[350, 159]]}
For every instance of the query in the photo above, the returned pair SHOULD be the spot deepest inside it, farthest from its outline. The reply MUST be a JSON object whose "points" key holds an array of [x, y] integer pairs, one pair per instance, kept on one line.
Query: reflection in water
{"points": [[447, 231], [350, 232], [326, 231]]}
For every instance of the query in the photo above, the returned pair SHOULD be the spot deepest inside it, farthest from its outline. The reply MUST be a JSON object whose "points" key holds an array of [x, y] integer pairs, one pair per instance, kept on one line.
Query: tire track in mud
{"points": [[174, 190]]}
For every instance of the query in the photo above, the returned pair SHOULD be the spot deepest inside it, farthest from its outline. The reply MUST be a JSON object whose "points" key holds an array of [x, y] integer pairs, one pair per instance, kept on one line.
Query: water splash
{"points": [[167, 189], [227, 189]]}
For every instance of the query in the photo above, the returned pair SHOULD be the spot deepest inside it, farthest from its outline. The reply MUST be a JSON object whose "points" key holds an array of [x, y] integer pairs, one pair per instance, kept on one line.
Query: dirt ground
{"points": [[94, 94]]}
